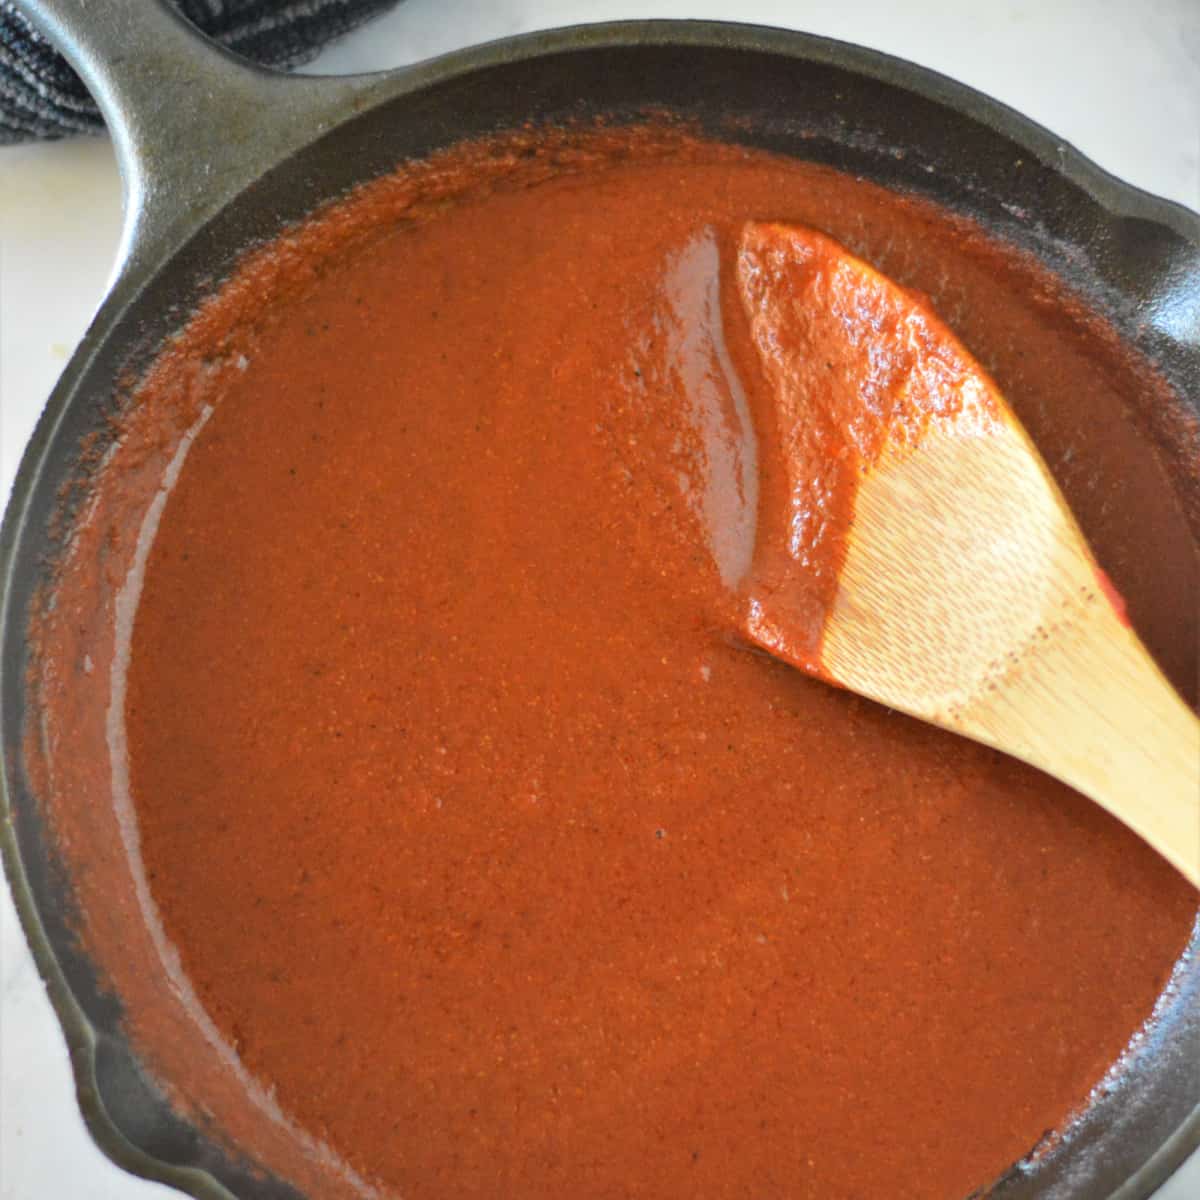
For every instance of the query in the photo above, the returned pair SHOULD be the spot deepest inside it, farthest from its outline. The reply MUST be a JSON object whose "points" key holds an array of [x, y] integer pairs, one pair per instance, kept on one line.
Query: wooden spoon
{"points": [[929, 560]]}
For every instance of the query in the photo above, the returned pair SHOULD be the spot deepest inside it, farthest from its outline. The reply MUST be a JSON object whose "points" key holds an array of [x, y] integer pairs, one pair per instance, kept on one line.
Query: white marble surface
{"points": [[1118, 78]]}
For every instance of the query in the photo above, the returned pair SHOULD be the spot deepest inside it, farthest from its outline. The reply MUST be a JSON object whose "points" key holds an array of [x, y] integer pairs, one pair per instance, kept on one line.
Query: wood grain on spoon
{"points": [[929, 561]]}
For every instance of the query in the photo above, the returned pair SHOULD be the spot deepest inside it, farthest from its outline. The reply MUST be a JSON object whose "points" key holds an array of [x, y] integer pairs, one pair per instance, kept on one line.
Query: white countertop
{"points": [[1120, 79]]}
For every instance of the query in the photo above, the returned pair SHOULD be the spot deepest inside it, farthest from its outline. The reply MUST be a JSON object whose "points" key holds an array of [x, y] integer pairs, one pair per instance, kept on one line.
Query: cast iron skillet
{"points": [[217, 155]]}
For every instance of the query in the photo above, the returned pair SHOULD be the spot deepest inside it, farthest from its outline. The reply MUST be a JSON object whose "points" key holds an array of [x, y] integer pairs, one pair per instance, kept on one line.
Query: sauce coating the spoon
{"points": [[857, 367]]}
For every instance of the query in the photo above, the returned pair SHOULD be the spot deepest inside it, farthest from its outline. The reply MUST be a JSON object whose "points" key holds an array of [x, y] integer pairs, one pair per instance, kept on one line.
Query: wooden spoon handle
{"points": [[1089, 705]]}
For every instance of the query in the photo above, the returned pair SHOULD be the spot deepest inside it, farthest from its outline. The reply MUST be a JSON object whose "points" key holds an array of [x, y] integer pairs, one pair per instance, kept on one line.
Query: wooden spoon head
{"points": [[925, 532]]}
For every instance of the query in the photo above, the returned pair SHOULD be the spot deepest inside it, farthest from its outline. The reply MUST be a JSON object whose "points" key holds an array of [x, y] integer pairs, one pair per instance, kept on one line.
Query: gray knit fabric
{"points": [[41, 97]]}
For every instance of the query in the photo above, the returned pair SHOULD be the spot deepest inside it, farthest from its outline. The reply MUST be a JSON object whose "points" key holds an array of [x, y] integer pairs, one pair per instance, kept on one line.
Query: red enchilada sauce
{"points": [[485, 839]]}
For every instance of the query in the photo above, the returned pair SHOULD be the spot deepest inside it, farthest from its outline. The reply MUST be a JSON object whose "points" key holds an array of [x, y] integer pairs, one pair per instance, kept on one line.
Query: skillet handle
{"points": [[192, 124]]}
